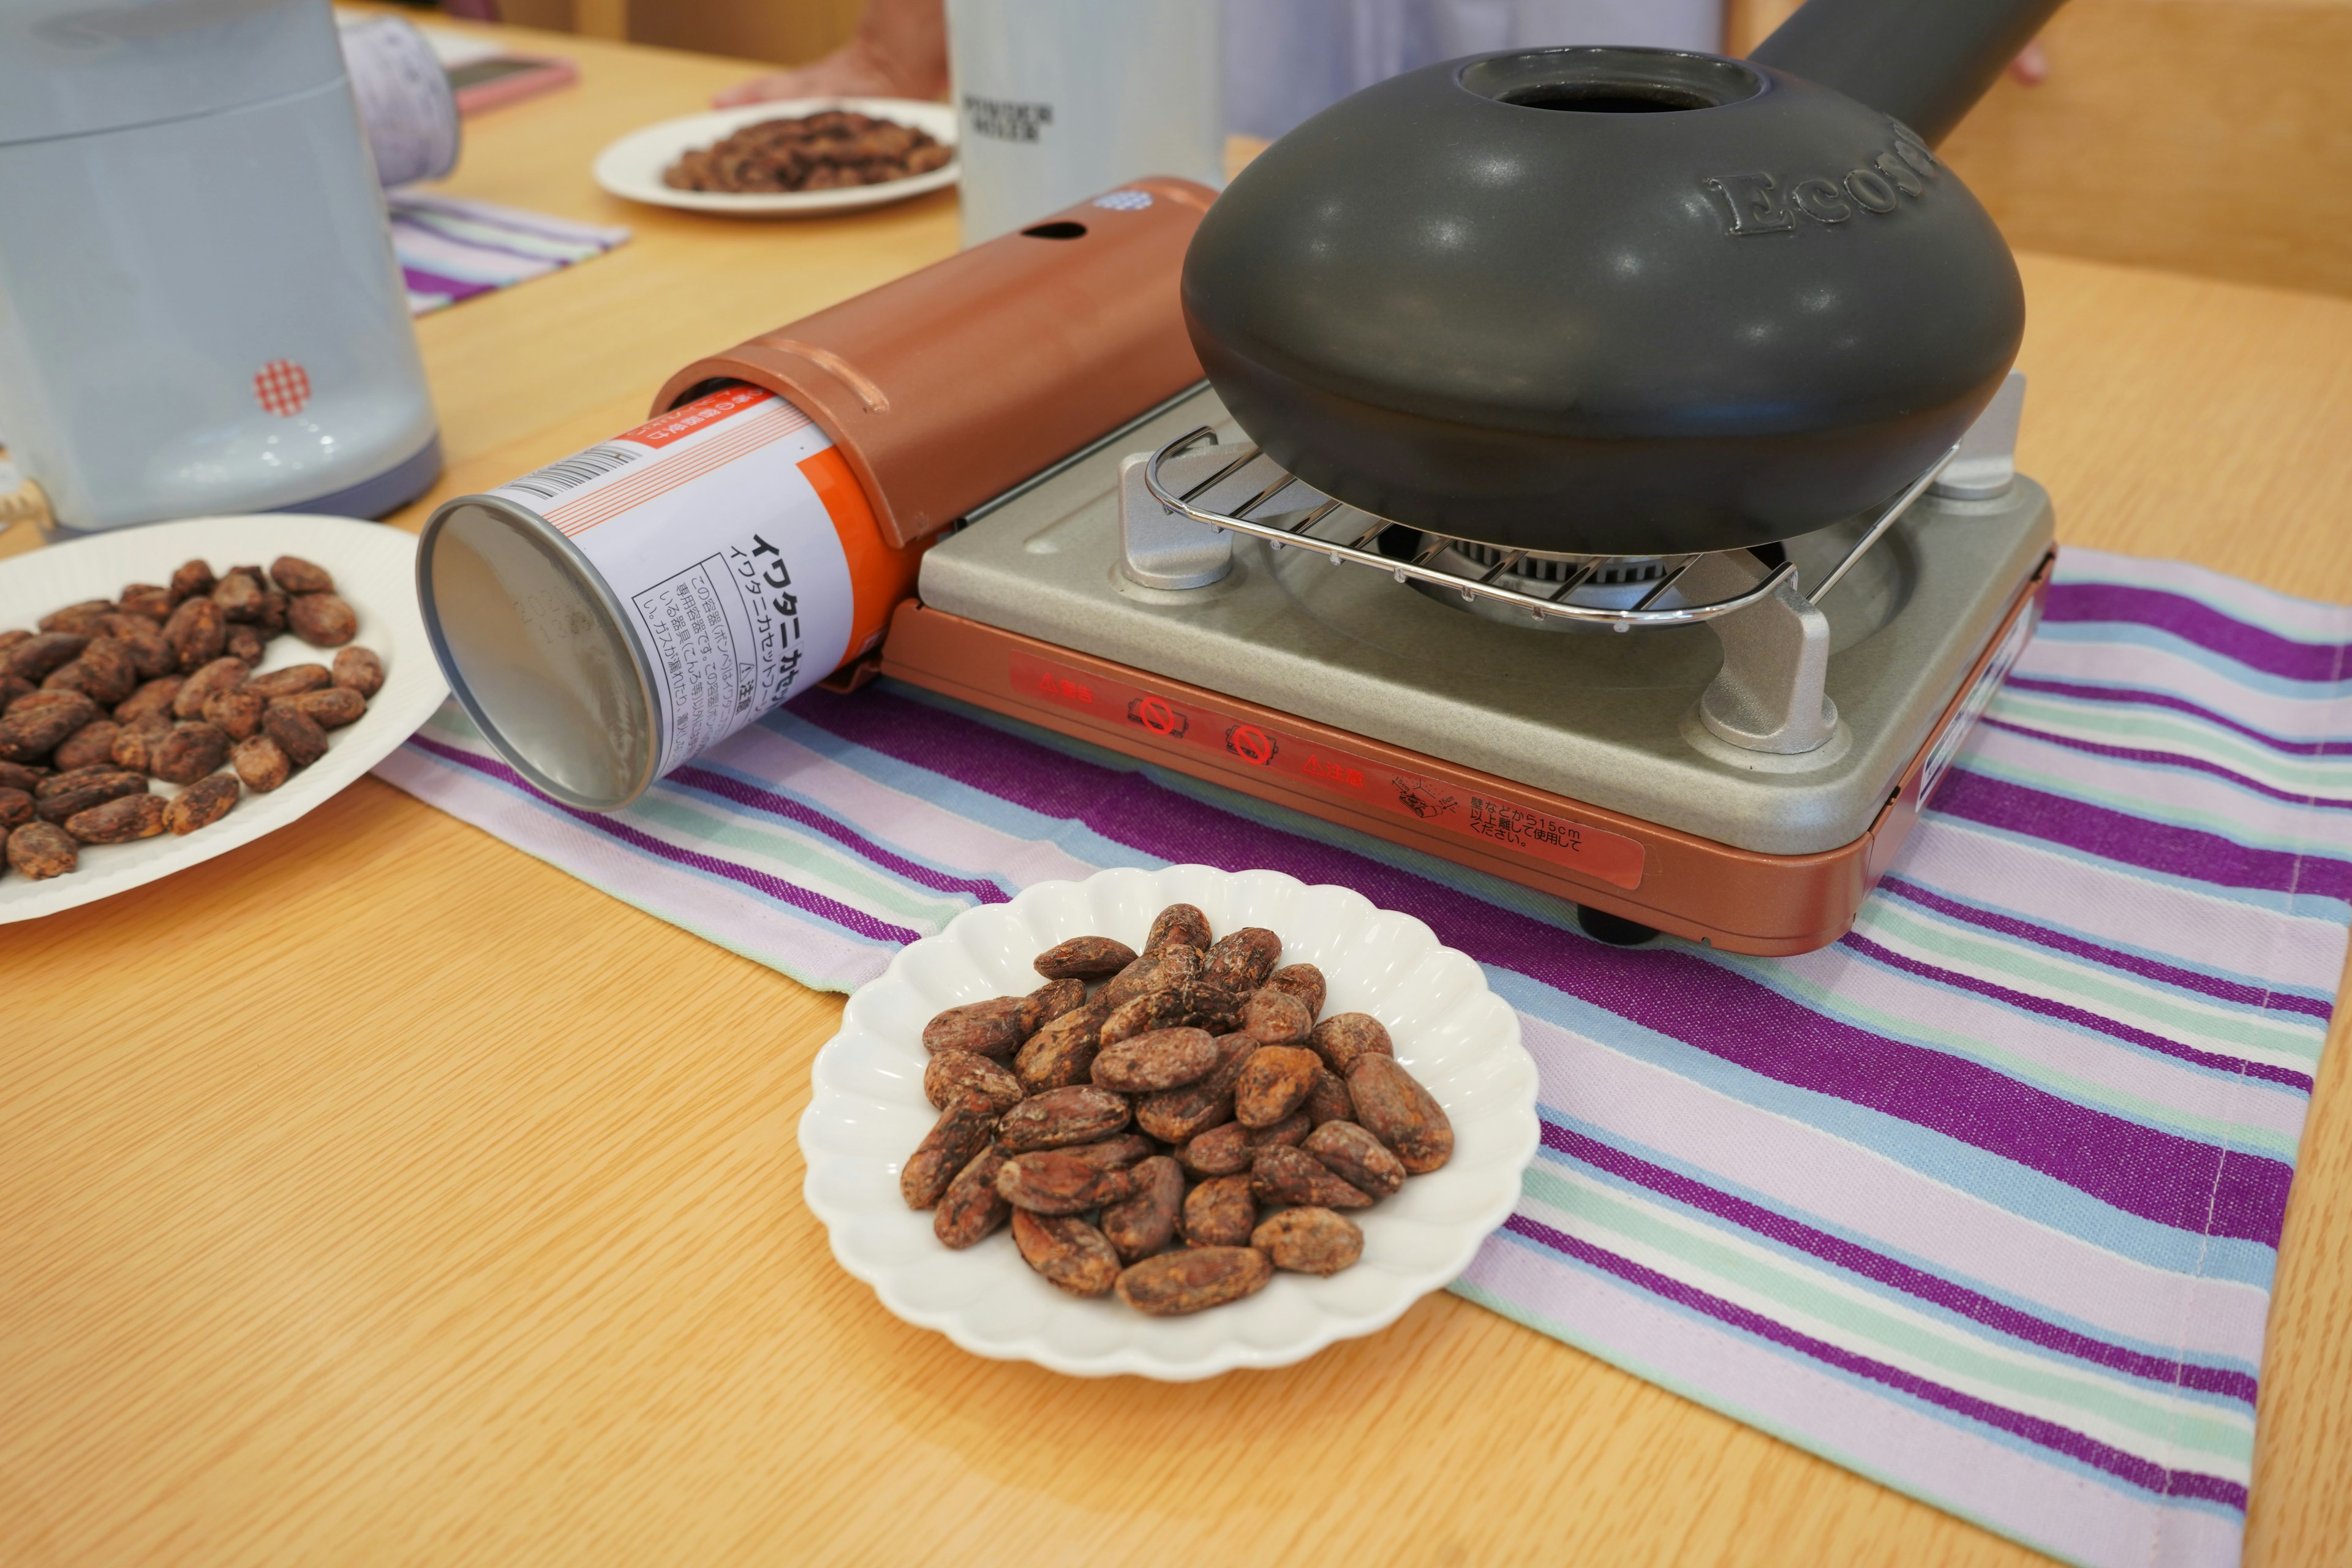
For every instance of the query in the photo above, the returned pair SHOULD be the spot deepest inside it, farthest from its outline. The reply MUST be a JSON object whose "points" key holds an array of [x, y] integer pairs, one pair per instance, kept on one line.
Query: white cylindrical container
{"points": [[605, 618], [200, 310], [404, 97], [1061, 99]]}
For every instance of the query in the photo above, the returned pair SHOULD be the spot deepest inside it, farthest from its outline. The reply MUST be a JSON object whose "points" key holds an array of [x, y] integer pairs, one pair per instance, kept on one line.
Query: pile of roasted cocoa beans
{"points": [[1171, 1126]]}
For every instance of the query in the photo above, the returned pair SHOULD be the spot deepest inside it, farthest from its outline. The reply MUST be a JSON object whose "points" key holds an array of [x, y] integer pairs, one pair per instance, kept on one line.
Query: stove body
{"points": [[1574, 760]]}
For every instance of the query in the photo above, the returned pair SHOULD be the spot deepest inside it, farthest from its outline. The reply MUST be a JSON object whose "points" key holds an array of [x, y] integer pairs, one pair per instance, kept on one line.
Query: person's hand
{"points": [[2030, 67], [900, 51]]}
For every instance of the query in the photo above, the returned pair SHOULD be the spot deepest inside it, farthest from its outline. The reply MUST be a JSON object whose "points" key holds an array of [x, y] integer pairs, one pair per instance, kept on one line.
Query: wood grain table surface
{"points": [[376, 1193]]}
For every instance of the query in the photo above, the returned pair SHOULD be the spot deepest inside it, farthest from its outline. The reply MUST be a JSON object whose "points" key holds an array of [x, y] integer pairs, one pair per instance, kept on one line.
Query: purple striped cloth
{"points": [[1982, 1201], [452, 249]]}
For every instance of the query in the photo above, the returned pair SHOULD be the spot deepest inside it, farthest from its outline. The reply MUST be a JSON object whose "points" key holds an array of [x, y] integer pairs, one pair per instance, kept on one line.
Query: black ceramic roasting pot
{"points": [[1624, 301]]}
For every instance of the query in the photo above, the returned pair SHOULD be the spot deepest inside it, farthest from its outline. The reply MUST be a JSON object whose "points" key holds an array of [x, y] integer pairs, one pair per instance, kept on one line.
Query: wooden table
{"points": [[376, 1192]]}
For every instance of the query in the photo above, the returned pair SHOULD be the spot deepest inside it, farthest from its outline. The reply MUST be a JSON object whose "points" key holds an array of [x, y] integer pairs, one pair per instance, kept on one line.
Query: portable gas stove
{"points": [[1695, 744]]}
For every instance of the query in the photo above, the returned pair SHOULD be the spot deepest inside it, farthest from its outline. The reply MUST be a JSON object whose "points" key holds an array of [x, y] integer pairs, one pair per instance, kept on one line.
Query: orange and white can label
{"points": [[725, 528]]}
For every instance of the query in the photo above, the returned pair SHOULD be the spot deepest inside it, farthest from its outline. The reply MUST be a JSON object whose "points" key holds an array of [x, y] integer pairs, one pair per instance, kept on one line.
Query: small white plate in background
{"points": [[632, 167]]}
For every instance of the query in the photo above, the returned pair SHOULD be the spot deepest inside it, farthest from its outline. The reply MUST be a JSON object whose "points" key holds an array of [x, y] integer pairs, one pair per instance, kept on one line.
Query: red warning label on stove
{"points": [[1309, 766]]}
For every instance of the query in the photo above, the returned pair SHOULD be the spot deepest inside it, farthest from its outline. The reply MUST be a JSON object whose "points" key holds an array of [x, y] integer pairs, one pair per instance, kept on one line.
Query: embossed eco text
{"points": [[1753, 202]]}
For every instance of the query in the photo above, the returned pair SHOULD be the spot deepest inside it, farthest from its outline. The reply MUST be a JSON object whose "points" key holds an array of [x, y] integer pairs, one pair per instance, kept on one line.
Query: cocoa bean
{"points": [[360, 670], [291, 681], [970, 1209], [35, 657], [237, 714], [1115, 1153], [196, 632], [33, 728], [1274, 1084], [951, 1073], [260, 765], [1328, 1099], [1072, 1255], [16, 775], [1084, 958], [1162, 1060], [84, 620], [66, 804], [331, 709], [103, 673], [963, 1131], [297, 734], [1222, 1150], [193, 578], [239, 595], [135, 742], [1057, 997], [1180, 1115], [1063, 1052], [189, 753], [15, 808], [1213, 1009], [1145, 1223], [1356, 1157], [322, 620], [12, 687], [93, 743], [1178, 925], [1220, 1212], [1290, 1132], [153, 697], [1393, 1107], [1284, 1175], [1309, 1241], [1078, 1114], [1142, 1015], [39, 850], [1303, 981], [1276, 1017], [119, 821], [207, 682], [1342, 1037], [296, 575], [239, 640], [8, 641], [1240, 961], [992, 1028], [151, 657], [272, 619], [1193, 1280], [1055, 1181], [149, 601], [71, 779], [202, 803], [1161, 971]]}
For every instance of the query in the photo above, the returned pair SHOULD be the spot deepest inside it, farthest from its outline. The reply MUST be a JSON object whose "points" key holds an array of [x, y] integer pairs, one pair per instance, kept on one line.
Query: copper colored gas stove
{"points": [[1729, 747]]}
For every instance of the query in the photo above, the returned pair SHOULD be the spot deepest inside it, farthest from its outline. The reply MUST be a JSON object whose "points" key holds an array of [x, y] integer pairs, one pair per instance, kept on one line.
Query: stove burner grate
{"points": [[1551, 582]]}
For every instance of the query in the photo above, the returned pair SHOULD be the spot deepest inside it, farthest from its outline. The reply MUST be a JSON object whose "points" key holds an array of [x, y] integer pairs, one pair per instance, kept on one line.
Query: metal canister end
{"points": [[535, 649]]}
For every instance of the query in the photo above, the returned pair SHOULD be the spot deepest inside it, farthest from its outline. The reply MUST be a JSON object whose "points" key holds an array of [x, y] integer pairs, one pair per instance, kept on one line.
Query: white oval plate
{"points": [[632, 167], [375, 568], [868, 1112]]}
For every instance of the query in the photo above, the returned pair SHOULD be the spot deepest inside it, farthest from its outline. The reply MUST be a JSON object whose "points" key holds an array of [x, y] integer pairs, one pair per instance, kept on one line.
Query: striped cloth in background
{"points": [[1982, 1202], [451, 249]]}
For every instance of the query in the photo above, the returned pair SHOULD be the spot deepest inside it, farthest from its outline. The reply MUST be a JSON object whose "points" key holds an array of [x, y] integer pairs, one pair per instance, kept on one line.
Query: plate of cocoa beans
{"points": [[169, 692], [1167, 1124]]}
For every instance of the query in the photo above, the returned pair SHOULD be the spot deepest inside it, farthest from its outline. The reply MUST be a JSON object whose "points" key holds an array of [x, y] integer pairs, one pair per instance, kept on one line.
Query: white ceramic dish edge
{"points": [[374, 569], [866, 1112], [631, 166]]}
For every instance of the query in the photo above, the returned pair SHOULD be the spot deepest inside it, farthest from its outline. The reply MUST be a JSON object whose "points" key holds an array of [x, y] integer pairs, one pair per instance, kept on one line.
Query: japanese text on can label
{"points": [[710, 532]]}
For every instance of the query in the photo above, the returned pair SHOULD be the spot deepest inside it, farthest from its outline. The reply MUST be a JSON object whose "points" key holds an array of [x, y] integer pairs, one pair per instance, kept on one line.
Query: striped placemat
{"points": [[452, 249], [1983, 1201]]}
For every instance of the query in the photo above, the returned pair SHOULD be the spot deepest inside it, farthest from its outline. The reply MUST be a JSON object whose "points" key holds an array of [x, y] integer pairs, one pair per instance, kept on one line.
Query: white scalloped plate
{"points": [[868, 1112], [632, 167], [375, 568]]}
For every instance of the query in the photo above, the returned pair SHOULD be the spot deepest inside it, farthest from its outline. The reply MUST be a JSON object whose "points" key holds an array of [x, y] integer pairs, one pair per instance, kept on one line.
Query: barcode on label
{"points": [[552, 480]]}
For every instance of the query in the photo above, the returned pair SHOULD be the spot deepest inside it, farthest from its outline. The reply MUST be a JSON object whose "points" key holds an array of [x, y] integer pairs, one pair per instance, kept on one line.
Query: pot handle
{"points": [[1925, 62]]}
